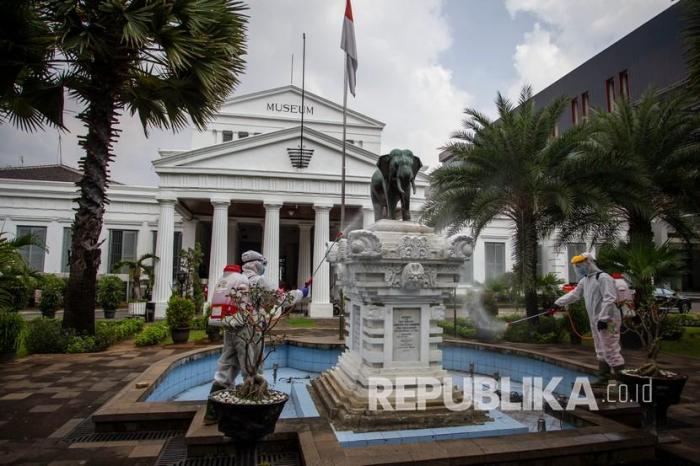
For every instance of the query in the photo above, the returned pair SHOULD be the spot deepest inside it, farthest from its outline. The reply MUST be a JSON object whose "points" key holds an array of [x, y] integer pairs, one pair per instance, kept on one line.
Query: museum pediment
{"points": [[268, 153], [285, 103]]}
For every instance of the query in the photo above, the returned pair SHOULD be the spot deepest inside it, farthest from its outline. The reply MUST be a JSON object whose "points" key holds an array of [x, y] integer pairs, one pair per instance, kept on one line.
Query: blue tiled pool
{"points": [[190, 379]]}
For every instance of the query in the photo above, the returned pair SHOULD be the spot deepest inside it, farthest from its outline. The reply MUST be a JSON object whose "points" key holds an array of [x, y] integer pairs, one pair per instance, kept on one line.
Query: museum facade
{"points": [[244, 184]]}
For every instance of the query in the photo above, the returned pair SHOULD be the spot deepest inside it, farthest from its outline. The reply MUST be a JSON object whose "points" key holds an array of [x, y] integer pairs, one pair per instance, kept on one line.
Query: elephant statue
{"points": [[392, 182]]}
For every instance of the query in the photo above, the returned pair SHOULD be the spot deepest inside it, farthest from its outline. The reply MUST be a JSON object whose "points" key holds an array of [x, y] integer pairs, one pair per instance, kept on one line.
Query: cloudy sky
{"points": [[421, 62]]}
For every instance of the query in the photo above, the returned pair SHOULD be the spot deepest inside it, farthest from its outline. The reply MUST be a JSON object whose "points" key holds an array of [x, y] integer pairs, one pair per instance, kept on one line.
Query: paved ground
{"points": [[43, 398]]}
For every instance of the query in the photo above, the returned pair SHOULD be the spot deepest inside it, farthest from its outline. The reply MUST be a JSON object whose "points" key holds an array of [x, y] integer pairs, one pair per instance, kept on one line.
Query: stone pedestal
{"points": [[396, 277]]}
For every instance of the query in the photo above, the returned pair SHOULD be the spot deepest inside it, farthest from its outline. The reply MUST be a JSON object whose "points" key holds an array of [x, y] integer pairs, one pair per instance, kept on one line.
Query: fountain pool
{"points": [[189, 379]]}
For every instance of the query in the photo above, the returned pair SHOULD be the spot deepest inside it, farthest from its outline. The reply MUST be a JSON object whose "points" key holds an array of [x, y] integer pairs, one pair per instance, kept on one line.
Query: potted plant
{"points": [[179, 316], [52, 289], [10, 328], [253, 404], [110, 294], [645, 264], [135, 269]]}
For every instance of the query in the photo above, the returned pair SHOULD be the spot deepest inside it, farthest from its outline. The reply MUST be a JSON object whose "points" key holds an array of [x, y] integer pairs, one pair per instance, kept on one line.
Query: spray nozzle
{"points": [[339, 235]]}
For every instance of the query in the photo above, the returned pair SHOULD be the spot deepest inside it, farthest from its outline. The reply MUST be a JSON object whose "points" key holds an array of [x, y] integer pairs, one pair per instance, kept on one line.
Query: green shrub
{"points": [[179, 313], [10, 329], [546, 330], [52, 289], [688, 320], [81, 344], [45, 336], [21, 288], [488, 301], [672, 328], [152, 335], [110, 292], [199, 322]]}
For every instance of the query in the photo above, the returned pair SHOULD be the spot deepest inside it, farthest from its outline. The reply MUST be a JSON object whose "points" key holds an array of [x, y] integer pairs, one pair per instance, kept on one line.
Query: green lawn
{"points": [[301, 322], [195, 335], [688, 345]]}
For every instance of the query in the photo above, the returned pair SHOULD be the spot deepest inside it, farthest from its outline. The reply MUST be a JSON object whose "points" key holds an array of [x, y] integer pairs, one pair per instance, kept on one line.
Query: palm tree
{"points": [[30, 95], [15, 274], [514, 168], [135, 268], [654, 143], [165, 60]]}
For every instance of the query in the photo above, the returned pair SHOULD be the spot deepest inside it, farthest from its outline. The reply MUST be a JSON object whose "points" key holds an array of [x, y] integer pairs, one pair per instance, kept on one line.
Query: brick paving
{"points": [[44, 397]]}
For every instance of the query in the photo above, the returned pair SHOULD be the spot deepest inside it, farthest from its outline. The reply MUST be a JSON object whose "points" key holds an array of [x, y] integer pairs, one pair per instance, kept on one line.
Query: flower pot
{"points": [[150, 312], [48, 313], [180, 335], [665, 391], [248, 422], [214, 334], [109, 313]]}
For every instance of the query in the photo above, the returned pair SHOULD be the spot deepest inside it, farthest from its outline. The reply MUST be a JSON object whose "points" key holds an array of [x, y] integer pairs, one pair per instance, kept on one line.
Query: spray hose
{"points": [[551, 311]]}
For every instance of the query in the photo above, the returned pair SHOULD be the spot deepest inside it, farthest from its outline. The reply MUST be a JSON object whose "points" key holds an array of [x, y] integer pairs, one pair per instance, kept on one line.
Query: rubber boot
{"points": [[210, 415], [617, 370], [603, 374]]}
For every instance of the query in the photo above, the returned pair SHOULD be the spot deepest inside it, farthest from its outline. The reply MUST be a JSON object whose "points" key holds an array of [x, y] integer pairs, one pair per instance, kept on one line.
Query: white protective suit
{"points": [[232, 360], [599, 292]]}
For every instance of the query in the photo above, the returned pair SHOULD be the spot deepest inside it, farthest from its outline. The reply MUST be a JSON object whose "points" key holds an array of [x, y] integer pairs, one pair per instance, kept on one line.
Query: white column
{"points": [[304, 263], [144, 241], [54, 247], [219, 242], [233, 242], [162, 288], [367, 216], [271, 242], [321, 293]]}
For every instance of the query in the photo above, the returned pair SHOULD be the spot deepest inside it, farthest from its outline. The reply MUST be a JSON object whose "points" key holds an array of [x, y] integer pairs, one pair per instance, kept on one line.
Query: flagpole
{"points": [[342, 176]]}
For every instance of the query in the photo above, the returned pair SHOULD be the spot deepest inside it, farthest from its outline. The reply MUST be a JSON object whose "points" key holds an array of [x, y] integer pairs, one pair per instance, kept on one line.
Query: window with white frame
{"points": [[122, 247], [495, 256], [33, 254]]}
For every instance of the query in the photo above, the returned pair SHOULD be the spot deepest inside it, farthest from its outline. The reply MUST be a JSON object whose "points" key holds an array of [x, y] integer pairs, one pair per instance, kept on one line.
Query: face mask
{"points": [[581, 270]]}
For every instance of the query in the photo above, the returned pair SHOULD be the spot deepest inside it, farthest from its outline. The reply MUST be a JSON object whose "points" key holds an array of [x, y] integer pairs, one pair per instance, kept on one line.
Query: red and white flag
{"points": [[347, 43]]}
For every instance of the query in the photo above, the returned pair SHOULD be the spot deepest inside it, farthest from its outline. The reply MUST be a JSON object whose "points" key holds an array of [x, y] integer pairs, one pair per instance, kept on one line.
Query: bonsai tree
{"points": [[110, 293], [52, 289], [260, 310], [135, 268], [644, 264], [179, 313]]}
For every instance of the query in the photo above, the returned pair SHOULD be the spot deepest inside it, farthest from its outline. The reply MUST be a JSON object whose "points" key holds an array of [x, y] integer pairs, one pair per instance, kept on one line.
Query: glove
{"points": [[305, 291], [602, 325], [308, 282]]}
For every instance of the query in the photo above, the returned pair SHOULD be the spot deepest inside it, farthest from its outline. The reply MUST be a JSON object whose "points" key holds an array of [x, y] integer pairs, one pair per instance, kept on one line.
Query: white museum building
{"points": [[243, 185]]}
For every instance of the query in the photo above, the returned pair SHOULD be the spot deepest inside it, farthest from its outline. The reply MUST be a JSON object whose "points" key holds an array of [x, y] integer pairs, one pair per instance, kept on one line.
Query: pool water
{"points": [[296, 366]]}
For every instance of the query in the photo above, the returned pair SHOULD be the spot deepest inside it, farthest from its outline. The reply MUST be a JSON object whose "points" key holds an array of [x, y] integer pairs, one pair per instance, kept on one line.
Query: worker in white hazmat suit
{"points": [[237, 335], [599, 292]]}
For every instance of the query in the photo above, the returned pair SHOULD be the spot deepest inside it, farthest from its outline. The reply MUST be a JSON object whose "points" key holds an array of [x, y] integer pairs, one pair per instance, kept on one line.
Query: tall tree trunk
{"points": [[100, 119], [526, 255], [640, 229]]}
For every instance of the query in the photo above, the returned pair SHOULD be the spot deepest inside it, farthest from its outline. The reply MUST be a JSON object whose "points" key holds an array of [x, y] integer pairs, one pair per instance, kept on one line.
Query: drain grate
{"points": [[124, 436], [174, 453], [85, 433]]}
